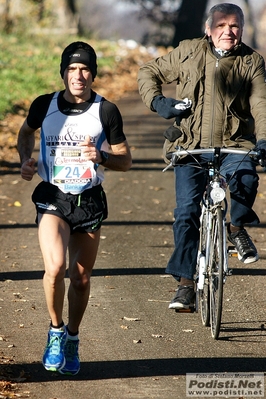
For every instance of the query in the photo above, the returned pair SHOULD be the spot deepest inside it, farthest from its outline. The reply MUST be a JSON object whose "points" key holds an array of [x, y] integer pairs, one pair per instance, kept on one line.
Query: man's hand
{"points": [[169, 107], [28, 169], [90, 151], [261, 148]]}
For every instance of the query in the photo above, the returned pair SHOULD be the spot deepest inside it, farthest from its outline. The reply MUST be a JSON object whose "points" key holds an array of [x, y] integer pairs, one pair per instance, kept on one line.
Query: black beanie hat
{"points": [[79, 52]]}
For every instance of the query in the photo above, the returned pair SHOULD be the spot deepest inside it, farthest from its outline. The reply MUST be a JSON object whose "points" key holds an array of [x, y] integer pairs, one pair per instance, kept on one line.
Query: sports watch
{"points": [[104, 156]]}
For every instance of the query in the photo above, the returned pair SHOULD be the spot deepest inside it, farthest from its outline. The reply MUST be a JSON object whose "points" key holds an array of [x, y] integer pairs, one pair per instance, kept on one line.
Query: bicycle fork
{"points": [[203, 258]]}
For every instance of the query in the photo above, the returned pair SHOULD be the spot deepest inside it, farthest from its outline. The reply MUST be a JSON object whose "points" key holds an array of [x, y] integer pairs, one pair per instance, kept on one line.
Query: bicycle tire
{"points": [[203, 295], [216, 275]]}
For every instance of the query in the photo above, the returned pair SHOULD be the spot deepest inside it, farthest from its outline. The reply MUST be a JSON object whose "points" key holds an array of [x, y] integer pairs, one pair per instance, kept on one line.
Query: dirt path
{"points": [[132, 346]]}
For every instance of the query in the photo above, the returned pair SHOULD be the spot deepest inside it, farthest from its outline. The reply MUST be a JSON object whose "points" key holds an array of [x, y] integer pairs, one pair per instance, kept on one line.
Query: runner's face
{"points": [[226, 30], [78, 81]]}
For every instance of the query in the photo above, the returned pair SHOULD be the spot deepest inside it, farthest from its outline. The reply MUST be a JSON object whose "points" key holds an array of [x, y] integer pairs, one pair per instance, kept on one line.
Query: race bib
{"points": [[69, 170]]}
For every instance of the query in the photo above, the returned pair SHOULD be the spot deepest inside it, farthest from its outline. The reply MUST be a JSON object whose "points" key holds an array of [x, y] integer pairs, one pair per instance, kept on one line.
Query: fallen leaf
{"points": [[17, 295], [131, 318]]}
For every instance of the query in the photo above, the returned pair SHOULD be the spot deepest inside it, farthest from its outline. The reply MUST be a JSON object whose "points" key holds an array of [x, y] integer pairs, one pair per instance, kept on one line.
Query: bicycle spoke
{"points": [[203, 293], [204, 300]]}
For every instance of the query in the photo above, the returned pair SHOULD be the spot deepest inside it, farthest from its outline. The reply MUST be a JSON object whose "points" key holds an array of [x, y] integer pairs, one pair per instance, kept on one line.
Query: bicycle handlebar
{"points": [[259, 155]]}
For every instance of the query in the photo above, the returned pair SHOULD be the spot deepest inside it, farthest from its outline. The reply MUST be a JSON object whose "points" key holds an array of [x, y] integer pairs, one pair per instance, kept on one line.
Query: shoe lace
{"points": [[54, 344], [185, 288], [71, 349], [188, 290], [244, 240]]}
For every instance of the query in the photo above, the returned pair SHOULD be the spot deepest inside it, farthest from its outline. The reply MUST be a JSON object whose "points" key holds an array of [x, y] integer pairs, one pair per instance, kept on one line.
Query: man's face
{"points": [[226, 30], [78, 81]]}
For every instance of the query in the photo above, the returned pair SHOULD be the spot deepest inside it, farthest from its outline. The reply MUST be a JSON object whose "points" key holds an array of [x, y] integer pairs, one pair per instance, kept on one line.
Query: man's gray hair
{"points": [[225, 8]]}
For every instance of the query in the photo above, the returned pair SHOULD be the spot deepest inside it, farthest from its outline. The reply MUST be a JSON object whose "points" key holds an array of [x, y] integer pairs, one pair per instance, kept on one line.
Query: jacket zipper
{"points": [[213, 103]]}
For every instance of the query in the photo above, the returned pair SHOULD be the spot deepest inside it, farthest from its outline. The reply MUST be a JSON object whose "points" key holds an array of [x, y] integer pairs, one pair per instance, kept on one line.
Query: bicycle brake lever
{"points": [[173, 162], [168, 167]]}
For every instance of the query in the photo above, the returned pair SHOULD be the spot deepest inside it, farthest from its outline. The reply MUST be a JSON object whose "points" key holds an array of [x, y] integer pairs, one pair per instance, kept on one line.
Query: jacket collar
{"points": [[217, 53]]}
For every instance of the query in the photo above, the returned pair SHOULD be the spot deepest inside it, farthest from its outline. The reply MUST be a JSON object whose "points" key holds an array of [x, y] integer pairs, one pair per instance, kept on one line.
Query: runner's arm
{"points": [[118, 159], [25, 145]]}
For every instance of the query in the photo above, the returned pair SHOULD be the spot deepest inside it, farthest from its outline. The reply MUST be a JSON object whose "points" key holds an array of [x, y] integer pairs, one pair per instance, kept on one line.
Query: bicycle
{"points": [[212, 261]]}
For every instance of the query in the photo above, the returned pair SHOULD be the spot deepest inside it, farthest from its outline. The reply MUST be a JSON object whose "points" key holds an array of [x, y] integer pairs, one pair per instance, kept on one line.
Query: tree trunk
{"points": [[8, 22], [51, 16], [189, 23], [250, 26]]}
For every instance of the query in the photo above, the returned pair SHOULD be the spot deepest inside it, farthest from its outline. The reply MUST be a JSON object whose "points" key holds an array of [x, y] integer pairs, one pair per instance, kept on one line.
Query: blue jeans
{"points": [[190, 183]]}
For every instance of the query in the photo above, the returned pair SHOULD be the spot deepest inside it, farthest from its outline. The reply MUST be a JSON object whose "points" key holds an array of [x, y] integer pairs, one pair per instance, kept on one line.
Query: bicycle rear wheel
{"points": [[216, 280], [203, 295]]}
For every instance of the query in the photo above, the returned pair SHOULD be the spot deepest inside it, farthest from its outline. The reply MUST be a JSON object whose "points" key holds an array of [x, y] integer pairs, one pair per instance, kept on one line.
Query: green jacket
{"points": [[240, 105]]}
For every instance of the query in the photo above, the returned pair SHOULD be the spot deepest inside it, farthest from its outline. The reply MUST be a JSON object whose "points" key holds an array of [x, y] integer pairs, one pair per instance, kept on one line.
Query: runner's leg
{"points": [[83, 248], [54, 236]]}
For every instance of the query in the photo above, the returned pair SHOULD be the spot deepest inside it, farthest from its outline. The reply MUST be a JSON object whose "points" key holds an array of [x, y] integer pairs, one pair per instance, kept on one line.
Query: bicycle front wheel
{"points": [[216, 272]]}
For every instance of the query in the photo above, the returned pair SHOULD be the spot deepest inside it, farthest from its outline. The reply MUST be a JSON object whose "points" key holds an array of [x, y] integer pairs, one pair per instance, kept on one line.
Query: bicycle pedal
{"points": [[191, 309], [232, 251], [233, 254]]}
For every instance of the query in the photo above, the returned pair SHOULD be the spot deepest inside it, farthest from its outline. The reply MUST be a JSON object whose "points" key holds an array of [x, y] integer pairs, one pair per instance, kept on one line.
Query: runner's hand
{"points": [[90, 151], [28, 169]]}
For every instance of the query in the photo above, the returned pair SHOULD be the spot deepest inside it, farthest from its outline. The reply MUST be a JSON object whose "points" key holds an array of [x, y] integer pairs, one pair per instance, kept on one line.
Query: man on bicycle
{"points": [[222, 84]]}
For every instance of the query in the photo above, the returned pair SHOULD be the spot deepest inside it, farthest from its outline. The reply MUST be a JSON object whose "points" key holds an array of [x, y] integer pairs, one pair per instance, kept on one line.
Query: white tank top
{"points": [[61, 161]]}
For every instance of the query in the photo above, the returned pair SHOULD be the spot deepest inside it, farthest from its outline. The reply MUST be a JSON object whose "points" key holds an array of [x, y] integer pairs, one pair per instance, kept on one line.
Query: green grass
{"points": [[29, 66]]}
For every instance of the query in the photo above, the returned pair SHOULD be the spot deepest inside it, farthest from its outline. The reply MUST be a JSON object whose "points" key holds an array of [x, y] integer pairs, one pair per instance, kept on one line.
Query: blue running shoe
{"points": [[72, 365], [54, 358]]}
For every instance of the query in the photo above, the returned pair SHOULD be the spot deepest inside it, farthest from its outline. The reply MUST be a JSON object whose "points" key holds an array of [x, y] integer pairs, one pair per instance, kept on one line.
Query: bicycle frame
{"points": [[212, 261], [215, 196]]}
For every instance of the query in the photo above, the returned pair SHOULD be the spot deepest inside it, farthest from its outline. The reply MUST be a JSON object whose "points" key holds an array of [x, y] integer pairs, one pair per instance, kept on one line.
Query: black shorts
{"points": [[83, 212]]}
